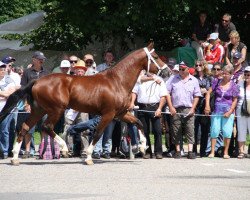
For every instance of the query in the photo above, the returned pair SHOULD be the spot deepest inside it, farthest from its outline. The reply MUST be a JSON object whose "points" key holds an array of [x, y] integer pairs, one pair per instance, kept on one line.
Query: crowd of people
{"points": [[209, 103]]}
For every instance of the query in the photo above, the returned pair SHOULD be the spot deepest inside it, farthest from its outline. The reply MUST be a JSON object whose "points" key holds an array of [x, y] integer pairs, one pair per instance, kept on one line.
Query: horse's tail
{"points": [[14, 98]]}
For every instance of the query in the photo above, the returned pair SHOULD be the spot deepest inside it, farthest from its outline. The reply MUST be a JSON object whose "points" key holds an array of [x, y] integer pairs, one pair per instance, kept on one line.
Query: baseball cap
{"points": [[247, 69], [182, 64], [39, 55], [176, 67], [65, 64], [213, 36], [2, 65], [237, 55], [8, 59]]}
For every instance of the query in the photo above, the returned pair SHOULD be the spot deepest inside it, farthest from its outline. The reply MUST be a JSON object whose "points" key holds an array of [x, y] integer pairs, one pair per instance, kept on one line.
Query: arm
{"points": [[242, 59], [159, 109], [227, 59], [207, 101], [194, 104], [7, 93], [234, 103], [132, 103], [170, 105]]}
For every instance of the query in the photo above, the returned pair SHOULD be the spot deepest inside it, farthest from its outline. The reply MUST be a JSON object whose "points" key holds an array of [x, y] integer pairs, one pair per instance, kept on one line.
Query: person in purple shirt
{"points": [[184, 93], [226, 94]]}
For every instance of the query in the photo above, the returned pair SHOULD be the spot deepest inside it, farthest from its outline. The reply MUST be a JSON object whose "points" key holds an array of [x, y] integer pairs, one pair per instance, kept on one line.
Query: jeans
{"points": [[133, 133], [104, 143], [5, 134], [83, 126]]}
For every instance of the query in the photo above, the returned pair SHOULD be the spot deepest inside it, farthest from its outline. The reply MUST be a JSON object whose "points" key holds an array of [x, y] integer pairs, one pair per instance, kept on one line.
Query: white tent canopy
{"points": [[20, 26]]}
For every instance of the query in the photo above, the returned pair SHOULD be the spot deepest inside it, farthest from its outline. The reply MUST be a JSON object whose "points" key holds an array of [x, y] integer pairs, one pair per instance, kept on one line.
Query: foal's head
{"points": [[153, 63]]}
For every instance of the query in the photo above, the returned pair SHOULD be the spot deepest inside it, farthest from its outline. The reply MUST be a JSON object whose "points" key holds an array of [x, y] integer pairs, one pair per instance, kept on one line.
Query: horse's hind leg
{"points": [[33, 118], [129, 118], [48, 128]]}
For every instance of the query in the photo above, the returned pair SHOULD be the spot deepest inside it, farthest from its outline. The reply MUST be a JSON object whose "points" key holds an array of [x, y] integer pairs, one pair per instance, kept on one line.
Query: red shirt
{"points": [[216, 54]]}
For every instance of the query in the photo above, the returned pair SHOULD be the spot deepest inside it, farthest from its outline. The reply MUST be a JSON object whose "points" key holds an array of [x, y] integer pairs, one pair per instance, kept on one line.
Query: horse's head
{"points": [[154, 63]]}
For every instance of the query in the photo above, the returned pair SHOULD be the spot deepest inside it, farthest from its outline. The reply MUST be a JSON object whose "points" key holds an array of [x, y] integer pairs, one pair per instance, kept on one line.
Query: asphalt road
{"points": [[168, 178]]}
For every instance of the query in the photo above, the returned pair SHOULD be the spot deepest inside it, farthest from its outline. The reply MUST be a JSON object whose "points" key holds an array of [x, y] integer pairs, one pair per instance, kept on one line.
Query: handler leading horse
{"points": [[106, 94]]}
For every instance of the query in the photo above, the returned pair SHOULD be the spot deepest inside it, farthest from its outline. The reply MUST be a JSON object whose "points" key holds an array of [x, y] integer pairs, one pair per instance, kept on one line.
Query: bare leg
{"points": [[226, 147], [213, 143]]}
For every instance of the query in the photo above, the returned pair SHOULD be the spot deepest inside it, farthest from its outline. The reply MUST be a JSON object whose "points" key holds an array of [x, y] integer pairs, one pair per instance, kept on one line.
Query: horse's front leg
{"points": [[130, 118], [105, 120]]}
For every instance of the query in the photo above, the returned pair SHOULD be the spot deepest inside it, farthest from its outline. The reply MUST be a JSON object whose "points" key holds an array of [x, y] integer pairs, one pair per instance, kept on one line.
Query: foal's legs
{"points": [[105, 120]]}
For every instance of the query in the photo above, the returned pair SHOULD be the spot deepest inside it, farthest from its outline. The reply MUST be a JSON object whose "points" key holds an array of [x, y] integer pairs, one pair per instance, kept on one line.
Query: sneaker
{"points": [[106, 155], [26, 155], [96, 156], [177, 155], [158, 156], [191, 155]]}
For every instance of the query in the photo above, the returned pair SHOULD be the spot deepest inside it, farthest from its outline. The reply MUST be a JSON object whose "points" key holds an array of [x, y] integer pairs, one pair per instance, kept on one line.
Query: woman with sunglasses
{"points": [[222, 119], [236, 46], [243, 121], [203, 76]]}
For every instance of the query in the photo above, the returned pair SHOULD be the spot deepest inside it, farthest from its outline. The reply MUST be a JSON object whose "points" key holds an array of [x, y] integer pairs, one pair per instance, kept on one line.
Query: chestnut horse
{"points": [[106, 94]]}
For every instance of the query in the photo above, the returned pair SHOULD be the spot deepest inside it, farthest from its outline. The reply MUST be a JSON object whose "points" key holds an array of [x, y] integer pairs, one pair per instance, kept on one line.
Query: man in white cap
{"points": [[65, 66], [214, 51]]}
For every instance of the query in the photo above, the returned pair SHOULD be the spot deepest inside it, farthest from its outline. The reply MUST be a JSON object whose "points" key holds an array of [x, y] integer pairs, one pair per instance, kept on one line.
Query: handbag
{"points": [[245, 108], [213, 97]]}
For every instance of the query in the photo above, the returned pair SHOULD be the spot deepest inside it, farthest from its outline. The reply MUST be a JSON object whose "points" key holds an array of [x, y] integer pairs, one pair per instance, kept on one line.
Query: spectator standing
{"points": [[65, 66], [243, 120], [184, 93], [201, 32], [6, 89], [103, 146], [90, 64], [236, 46], [224, 28], [12, 77], [73, 60], [151, 97], [226, 93], [202, 123], [34, 72]]}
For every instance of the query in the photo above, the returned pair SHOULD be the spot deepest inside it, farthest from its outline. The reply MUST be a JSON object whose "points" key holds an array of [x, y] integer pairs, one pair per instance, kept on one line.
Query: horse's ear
{"points": [[150, 44]]}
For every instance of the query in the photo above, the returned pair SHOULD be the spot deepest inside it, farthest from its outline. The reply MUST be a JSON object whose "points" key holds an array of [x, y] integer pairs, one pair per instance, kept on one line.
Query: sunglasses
{"points": [[73, 61], [198, 65], [216, 69], [247, 75], [225, 20], [182, 69], [89, 62]]}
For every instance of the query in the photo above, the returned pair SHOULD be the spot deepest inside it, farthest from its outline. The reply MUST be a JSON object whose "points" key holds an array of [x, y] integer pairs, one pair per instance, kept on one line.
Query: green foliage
{"points": [[17, 8], [72, 24]]}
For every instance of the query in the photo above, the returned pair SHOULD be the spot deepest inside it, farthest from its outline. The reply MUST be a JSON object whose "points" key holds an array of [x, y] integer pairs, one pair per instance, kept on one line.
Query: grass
{"points": [[37, 138]]}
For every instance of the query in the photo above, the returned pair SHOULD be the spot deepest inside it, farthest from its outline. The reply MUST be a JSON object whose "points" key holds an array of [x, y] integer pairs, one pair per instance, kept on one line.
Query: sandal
{"points": [[241, 155], [226, 156], [211, 155]]}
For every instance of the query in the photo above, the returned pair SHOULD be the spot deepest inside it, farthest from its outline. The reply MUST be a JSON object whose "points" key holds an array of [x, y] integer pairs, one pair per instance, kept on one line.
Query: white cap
{"points": [[65, 64], [247, 69], [176, 67], [2, 64], [214, 36]]}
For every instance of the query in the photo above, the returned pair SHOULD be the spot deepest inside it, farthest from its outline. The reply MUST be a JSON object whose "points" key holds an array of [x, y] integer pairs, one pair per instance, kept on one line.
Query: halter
{"points": [[150, 58]]}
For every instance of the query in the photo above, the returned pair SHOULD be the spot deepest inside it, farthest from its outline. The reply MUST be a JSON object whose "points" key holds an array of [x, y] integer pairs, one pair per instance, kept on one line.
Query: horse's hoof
{"points": [[15, 162], [65, 154], [89, 162]]}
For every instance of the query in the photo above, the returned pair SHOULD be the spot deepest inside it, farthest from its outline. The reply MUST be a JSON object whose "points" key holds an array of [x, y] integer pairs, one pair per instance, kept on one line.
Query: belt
{"points": [[148, 104]]}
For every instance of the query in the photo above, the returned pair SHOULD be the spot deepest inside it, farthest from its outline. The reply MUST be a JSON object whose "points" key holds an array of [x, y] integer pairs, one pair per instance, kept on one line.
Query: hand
{"points": [[158, 113], [203, 90], [191, 112], [131, 107], [172, 111], [27, 108], [227, 114], [158, 81], [207, 110]]}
